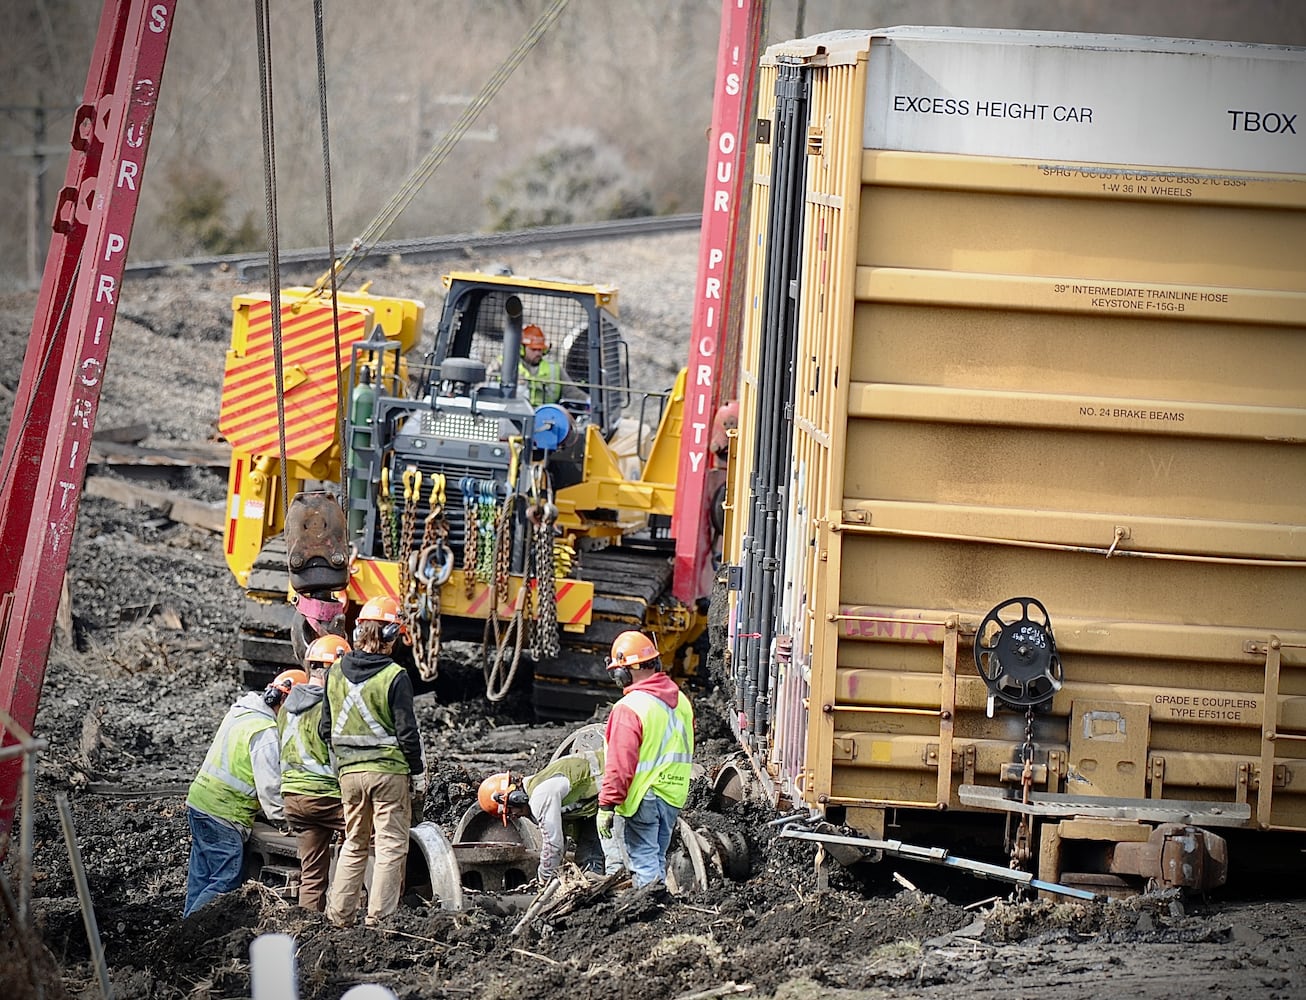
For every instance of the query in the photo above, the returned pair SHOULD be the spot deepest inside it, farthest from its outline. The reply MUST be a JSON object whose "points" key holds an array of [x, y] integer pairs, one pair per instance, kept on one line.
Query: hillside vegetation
{"points": [[629, 82]]}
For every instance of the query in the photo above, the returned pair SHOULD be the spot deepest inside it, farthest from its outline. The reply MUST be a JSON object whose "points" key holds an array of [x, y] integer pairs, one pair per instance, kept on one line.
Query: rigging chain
{"points": [[386, 507], [544, 622], [408, 525], [471, 535], [498, 677], [431, 565]]}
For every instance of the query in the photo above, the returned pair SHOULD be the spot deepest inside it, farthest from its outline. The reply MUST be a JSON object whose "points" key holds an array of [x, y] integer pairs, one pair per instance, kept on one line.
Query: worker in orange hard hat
{"points": [[309, 786], [563, 800], [649, 742], [540, 375], [240, 775], [370, 724], [543, 377]]}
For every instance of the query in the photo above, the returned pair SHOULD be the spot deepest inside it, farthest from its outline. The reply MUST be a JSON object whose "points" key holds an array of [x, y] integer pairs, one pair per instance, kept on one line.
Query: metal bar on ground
{"points": [[84, 896], [938, 856]]}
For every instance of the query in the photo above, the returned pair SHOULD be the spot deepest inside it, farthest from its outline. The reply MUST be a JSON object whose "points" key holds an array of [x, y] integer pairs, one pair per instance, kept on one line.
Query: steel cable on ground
{"points": [[378, 227], [273, 241]]}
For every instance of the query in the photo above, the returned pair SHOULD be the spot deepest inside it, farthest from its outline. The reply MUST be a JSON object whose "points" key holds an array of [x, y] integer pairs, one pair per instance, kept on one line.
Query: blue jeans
{"points": [[648, 834], [217, 856]]}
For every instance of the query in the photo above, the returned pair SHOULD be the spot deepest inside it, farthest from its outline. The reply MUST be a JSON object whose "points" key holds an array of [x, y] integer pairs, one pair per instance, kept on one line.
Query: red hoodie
{"points": [[623, 736]]}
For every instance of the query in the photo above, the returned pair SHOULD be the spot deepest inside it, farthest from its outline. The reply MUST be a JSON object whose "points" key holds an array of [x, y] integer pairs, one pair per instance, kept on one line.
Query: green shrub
{"points": [[576, 178], [198, 209]]}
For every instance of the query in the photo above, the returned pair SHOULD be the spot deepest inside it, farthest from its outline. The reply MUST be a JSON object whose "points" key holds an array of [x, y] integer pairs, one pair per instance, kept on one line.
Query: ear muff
{"points": [[514, 799], [621, 676], [273, 696], [389, 632]]}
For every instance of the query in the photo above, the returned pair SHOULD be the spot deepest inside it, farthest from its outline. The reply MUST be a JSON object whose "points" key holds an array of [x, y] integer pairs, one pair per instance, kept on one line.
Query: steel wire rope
{"points": [[379, 226], [319, 38], [274, 243], [498, 680]]}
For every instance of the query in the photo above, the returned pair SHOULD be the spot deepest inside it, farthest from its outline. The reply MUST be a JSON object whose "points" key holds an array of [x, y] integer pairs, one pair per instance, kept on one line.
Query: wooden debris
{"points": [[568, 893], [164, 614], [179, 508], [731, 988], [63, 616], [536, 955], [546, 894], [131, 434], [205, 456]]}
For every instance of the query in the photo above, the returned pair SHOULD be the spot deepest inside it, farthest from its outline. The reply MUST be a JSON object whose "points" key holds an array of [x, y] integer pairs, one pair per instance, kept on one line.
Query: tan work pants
{"points": [[374, 803], [315, 820]]}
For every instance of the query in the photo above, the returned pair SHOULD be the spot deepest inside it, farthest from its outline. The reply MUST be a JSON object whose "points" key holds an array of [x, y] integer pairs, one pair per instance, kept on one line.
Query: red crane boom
{"points": [[713, 342], [54, 409]]}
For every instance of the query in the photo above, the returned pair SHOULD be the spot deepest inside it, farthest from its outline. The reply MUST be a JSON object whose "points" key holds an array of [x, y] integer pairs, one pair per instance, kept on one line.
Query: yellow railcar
{"points": [[1018, 496]]}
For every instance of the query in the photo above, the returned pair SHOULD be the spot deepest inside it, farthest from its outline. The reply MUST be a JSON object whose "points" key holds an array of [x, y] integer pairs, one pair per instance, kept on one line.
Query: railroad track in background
{"points": [[252, 265]]}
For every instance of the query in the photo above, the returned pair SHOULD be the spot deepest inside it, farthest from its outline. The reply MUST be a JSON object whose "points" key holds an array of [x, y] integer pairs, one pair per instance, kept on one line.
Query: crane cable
{"points": [[320, 40], [274, 243], [366, 242]]}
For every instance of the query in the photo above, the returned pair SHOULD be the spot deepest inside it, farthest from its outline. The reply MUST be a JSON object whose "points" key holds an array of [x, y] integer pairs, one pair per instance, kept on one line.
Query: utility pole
{"points": [[38, 218]]}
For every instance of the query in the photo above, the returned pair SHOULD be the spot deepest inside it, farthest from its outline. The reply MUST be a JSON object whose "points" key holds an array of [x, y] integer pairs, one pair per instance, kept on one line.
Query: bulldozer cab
{"points": [[580, 326]]}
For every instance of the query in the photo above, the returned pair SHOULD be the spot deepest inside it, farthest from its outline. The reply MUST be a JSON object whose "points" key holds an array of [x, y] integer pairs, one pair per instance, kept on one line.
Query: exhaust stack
{"points": [[511, 345]]}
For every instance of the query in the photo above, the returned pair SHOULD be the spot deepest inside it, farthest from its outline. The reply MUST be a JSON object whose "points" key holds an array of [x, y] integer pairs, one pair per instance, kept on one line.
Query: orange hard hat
{"points": [[533, 336], [502, 792], [386, 611], [380, 609], [276, 692], [632, 648], [289, 678], [326, 650]]}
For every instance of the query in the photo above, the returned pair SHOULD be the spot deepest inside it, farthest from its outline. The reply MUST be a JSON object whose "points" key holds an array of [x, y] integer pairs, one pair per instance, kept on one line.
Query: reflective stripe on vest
{"points": [[302, 772], [362, 731], [225, 786], [666, 750]]}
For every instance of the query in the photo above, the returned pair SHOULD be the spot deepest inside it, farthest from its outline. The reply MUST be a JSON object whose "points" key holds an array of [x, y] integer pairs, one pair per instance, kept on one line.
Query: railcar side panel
{"points": [[1058, 355]]}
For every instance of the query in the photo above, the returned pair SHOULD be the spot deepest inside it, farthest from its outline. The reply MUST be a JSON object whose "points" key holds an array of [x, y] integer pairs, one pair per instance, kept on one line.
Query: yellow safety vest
{"points": [[545, 383], [666, 750], [584, 770], [225, 785], [362, 727], [305, 762]]}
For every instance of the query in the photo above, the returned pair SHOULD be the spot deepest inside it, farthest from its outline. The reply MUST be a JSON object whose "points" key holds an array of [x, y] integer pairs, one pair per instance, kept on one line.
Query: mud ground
{"points": [[137, 685]]}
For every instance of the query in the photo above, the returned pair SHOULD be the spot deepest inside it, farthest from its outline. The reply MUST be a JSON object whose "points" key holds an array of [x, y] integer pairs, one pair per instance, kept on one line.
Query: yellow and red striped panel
{"points": [[373, 577], [248, 417]]}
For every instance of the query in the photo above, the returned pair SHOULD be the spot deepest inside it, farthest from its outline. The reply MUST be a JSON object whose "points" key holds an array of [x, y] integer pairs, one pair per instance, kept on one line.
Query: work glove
{"points": [[417, 795], [604, 822]]}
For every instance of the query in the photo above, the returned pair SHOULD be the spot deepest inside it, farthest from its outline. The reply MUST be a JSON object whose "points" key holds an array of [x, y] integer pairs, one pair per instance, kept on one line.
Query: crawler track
{"points": [[627, 582]]}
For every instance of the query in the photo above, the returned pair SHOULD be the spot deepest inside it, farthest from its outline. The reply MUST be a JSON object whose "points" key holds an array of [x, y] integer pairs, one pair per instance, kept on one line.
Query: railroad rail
{"points": [[252, 265]]}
